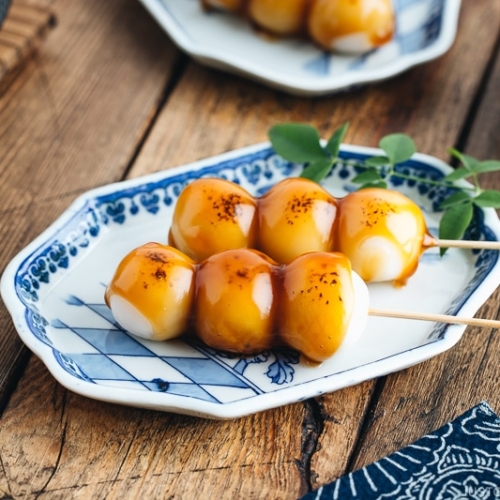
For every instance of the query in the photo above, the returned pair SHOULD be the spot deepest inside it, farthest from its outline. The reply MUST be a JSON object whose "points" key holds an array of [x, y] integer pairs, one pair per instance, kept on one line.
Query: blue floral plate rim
{"points": [[88, 228], [425, 30]]}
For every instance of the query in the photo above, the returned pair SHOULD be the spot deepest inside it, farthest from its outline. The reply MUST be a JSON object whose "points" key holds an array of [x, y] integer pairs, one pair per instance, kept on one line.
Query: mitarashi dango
{"points": [[234, 307], [296, 216], [381, 231], [322, 301], [212, 215], [151, 293], [353, 26], [240, 300]]}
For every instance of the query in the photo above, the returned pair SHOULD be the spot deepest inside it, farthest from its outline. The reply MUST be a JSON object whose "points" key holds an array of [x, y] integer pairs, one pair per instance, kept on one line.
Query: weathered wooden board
{"points": [[115, 115], [73, 120]]}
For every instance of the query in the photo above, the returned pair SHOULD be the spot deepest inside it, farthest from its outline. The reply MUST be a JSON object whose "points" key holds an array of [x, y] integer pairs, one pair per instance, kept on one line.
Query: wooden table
{"points": [[109, 97]]}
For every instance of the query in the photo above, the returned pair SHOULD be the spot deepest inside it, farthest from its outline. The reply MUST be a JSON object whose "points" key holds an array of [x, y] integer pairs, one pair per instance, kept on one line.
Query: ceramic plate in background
{"points": [[54, 291], [425, 29]]}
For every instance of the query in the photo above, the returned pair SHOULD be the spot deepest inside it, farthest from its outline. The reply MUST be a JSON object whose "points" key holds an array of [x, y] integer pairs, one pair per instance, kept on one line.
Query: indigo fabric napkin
{"points": [[459, 461], [4, 7]]}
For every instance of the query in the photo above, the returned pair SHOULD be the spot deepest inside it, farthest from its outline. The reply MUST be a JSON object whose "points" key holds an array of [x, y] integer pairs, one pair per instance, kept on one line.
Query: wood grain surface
{"points": [[133, 104]]}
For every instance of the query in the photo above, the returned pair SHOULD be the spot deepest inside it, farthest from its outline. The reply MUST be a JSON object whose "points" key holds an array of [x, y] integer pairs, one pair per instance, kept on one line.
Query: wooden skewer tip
{"points": [[435, 318]]}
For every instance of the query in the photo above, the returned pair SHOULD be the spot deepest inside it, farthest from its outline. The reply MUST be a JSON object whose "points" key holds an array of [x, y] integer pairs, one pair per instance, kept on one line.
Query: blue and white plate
{"points": [[54, 290], [425, 29]]}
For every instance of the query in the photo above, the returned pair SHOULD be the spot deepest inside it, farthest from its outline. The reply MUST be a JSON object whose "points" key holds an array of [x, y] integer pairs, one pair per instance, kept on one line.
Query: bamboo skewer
{"points": [[472, 244], [436, 318]]}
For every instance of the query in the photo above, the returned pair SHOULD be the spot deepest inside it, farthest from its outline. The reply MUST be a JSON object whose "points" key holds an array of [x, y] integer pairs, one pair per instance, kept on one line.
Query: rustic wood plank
{"points": [[21, 33], [166, 452], [483, 140], [37, 15], [67, 127]]}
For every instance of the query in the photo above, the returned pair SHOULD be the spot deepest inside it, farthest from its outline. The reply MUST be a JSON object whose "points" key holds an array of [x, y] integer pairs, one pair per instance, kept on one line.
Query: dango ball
{"points": [[322, 300], [383, 233], [212, 215], [235, 303], [240, 301], [296, 216], [351, 26], [151, 292], [283, 17]]}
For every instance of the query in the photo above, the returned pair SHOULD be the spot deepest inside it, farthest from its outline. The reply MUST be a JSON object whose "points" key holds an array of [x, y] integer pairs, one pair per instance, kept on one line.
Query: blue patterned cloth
{"points": [[4, 7], [459, 461]]}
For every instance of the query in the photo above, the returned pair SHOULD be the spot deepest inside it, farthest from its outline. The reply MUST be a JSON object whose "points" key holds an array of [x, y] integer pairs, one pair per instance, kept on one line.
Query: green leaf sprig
{"points": [[301, 143]]}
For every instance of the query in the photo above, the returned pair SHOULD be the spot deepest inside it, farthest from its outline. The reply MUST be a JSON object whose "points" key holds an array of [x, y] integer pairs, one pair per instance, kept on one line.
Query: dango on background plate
{"points": [[54, 290], [424, 30]]}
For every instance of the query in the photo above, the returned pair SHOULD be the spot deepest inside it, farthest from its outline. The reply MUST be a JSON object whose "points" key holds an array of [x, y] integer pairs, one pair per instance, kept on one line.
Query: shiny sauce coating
{"points": [[212, 215], [238, 300], [382, 231], [296, 216], [342, 25]]}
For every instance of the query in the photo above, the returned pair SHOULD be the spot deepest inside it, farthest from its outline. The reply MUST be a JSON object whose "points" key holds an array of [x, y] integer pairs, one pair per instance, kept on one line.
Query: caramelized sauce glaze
{"points": [[382, 231], [238, 301], [322, 21]]}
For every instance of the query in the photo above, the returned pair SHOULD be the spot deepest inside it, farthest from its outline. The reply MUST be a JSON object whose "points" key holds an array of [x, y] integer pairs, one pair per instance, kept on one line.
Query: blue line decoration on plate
{"points": [[195, 372]]}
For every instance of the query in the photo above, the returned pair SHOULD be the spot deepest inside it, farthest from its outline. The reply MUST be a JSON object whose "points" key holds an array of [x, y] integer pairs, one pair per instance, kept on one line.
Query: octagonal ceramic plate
{"points": [[425, 29], [54, 291]]}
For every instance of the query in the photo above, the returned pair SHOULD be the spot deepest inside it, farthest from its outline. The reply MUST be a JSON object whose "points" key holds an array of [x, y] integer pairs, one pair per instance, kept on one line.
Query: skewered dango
{"points": [[342, 25], [294, 217], [151, 292], [240, 300], [381, 231], [213, 215]]}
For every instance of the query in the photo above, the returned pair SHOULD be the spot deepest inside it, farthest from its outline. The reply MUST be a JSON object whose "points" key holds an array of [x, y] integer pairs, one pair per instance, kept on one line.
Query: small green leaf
{"points": [[369, 175], [333, 145], [297, 142], [317, 170], [467, 161], [455, 152], [398, 147], [377, 161], [457, 174], [487, 166], [488, 198], [470, 162], [379, 184], [454, 199], [454, 222]]}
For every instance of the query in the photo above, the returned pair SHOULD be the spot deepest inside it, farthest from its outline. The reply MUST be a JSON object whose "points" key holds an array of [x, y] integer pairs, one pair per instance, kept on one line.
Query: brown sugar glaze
{"points": [[238, 301]]}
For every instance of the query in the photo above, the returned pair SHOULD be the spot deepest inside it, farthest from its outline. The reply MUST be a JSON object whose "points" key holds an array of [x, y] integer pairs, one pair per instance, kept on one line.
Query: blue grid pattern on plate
{"points": [[114, 355]]}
